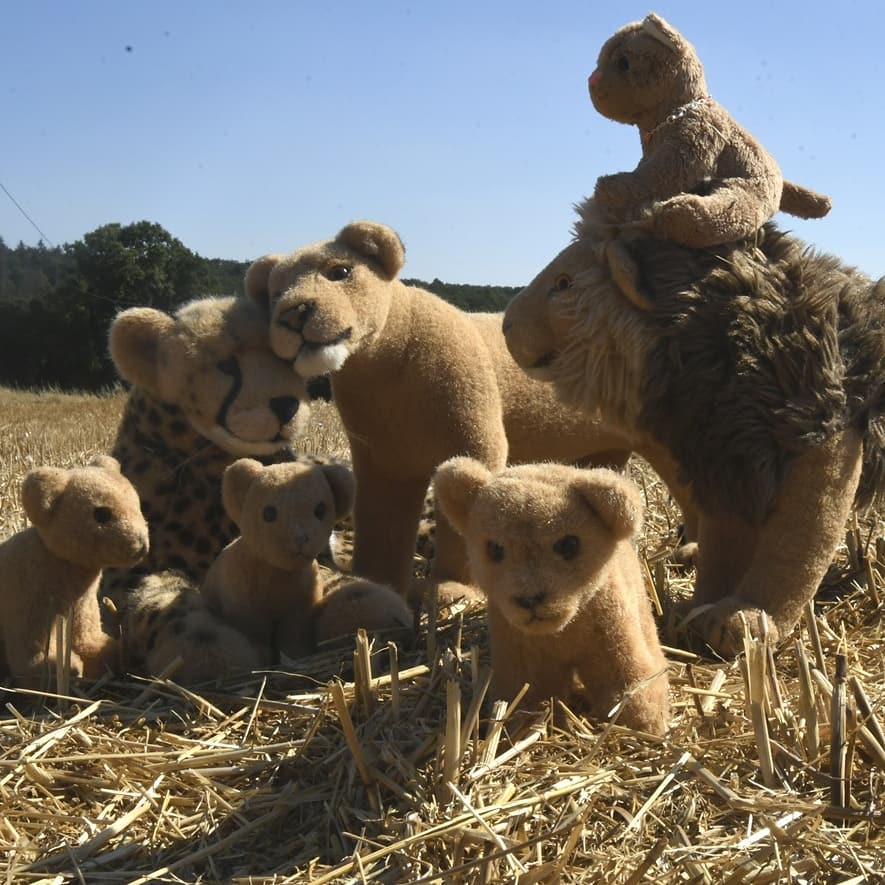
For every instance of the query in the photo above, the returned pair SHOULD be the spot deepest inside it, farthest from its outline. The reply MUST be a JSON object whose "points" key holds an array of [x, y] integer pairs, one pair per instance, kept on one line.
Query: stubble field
{"points": [[382, 765]]}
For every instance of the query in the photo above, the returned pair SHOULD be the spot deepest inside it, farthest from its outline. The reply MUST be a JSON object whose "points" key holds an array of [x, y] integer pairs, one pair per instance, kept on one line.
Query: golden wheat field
{"points": [[374, 764]]}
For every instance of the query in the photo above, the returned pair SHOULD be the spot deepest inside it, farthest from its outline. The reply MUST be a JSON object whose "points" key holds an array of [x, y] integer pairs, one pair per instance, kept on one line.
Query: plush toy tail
{"points": [[804, 203]]}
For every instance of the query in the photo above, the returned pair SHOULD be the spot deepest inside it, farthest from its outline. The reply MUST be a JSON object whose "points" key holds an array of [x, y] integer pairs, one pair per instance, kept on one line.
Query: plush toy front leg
{"points": [[385, 519], [97, 650], [793, 550], [26, 651], [514, 663], [734, 210], [449, 553]]}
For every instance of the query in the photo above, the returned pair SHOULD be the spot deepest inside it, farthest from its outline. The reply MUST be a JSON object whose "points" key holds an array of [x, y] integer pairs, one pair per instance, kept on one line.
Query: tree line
{"points": [[56, 304]]}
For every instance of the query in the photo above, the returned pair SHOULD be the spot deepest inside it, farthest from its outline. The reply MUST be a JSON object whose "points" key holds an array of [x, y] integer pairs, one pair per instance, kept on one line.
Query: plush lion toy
{"points": [[551, 547], [267, 582], [757, 382], [83, 520], [703, 180], [416, 382]]}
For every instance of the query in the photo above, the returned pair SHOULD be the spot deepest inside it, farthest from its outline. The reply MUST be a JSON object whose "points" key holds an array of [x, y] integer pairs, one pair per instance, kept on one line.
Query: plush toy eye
{"points": [[320, 510], [269, 513], [562, 283], [338, 272], [567, 547], [623, 64], [494, 551], [102, 515]]}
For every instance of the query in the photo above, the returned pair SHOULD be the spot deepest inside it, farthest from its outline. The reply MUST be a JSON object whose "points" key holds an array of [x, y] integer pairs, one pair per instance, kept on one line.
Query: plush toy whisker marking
{"points": [[233, 370]]}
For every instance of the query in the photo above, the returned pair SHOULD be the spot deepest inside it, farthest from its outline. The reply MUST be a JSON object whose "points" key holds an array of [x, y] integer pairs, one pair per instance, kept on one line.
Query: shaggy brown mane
{"points": [[773, 350]]}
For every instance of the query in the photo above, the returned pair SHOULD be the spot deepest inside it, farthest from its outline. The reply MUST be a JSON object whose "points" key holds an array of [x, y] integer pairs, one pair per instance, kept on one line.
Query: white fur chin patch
{"points": [[311, 362], [242, 447]]}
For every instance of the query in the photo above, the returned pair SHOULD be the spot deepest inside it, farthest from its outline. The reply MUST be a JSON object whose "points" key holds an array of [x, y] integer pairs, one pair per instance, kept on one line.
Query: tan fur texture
{"points": [[349, 604], [206, 390], [416, 381], [266, 582], [83, 519], [169, 630], [703, 180], [755, 386], [551, 546]]}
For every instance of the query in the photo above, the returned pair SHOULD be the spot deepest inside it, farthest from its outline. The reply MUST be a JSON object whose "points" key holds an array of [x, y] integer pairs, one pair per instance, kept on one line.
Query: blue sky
{"points": [[246, 128]]}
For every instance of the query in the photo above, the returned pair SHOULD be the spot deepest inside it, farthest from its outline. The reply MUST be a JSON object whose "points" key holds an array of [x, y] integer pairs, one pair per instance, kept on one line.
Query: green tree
{"points": [[115, 267], [138, 264]]}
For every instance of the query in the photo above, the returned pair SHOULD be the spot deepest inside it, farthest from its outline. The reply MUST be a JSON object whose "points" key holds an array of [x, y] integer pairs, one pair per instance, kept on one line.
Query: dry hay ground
{"points": [[367, 766]]}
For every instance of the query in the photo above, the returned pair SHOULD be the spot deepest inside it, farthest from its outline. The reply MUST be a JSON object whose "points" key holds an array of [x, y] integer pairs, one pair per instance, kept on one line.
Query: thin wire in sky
{"points": [[31, 220]]}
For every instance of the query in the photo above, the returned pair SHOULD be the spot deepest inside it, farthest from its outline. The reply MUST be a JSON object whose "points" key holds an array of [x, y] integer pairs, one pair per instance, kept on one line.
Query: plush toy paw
{"points": [[721, 627], [685, 554], [350, 604]]}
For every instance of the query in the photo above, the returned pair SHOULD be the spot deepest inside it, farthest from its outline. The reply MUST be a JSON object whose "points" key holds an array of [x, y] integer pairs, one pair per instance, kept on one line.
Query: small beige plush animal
{"points": [[551, 546], [83, 520], [703, 180], [416, 381], [267, 582]]}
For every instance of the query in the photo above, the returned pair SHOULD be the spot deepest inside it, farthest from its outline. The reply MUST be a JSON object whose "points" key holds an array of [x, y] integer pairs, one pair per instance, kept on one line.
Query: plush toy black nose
{"points": [[530, 602], [284, 407], [295, 318]]}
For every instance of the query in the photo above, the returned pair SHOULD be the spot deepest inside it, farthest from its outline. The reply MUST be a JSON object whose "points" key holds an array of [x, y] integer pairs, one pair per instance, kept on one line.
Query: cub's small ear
{"points": [[665, 34], [42, 489], [613, 498], [105, 462], [134, 342], [456, 484], [377, 241], [258, 277], [235, 483], [341, 482]]}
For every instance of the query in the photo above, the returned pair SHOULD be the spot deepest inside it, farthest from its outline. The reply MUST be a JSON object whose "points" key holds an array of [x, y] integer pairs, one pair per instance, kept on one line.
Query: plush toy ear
{"points": [[235, 483], [340, 479], [378, 241], [41, 491], [613, 498], [456, 484], [106, 462], [134, 342], [665, 33], [257, 277]]}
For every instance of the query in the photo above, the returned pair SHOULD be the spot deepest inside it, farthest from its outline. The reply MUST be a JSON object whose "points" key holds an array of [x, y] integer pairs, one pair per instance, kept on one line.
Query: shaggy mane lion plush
{"points": [[757, 378]]}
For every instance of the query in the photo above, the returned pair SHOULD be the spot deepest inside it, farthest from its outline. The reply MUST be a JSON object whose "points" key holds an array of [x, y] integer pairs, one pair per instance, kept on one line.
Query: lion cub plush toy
{"points": [[267, 582], [551, 547], [703, 180], [82, 520]]}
